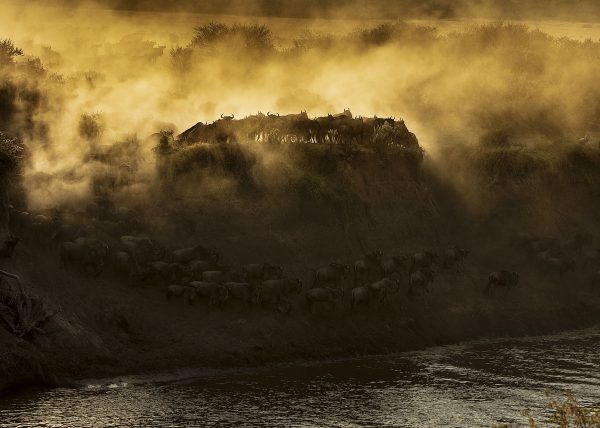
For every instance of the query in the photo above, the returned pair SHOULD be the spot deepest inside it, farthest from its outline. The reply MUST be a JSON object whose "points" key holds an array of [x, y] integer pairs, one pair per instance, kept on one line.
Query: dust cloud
{"points": [[92, 78]]}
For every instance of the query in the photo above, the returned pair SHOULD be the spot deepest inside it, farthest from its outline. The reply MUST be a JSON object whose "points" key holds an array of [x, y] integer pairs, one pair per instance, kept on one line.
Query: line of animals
{"points": [[296, 128], [197, 273]]}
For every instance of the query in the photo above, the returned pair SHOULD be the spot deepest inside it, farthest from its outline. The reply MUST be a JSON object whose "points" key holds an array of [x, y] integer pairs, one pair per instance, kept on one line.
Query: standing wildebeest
{"points": [[243, 292], [576, 244], [361, 295], [186, 291], [591, 256], [277, 290], [169, 272], [89, 253], [368, 268], [8, 247], [217, 294], [419, 281], [523, 241], [550, 245], [43, 228], [197, 267], [198, 252], [504, 279], [334, 273], [141, 248], [454, 258], [326, 295], [257, 272], [214, 276], [124, 264], [383, 288], [550, 264], [422, 260], [394, 265]]}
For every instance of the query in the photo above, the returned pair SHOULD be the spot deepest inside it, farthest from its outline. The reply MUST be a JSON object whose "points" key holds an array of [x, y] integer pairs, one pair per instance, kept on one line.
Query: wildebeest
{"points": [[198, 252], [550, 264], [214, 276], [329, 296], [577, 243], [258, 272], [551, 245], [196, 267], [523, 240], [396, 264], [368, 268], [503, 279], [141, 248], [276, 290], [186, 291], [123, 263], [19, 221], [334, 273], [454, 258], [362, 295], [170, 272], [243, 292], [216, 293], [591, 256], [422, 260], [383, 288], [419, 281], [8, 247], [43, 227], [88, 253]]}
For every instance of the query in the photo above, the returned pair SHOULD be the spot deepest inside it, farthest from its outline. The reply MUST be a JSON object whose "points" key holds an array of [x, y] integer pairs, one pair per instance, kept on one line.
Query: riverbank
{"points": [[105, 328]]}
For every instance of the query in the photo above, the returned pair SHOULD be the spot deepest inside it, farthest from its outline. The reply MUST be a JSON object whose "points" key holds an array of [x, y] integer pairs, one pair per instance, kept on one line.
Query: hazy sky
{"points": [[584, 10]]}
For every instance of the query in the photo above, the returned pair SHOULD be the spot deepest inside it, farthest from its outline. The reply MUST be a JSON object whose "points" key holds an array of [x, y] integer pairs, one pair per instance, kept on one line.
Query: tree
{"points": [[8, 51]]}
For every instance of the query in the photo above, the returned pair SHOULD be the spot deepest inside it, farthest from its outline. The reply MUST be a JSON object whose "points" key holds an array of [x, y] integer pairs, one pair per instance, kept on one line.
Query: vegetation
{"points": [[249, 37], [566, 413], [91, 126], [8, 51], [21, 313], [11, 152]]}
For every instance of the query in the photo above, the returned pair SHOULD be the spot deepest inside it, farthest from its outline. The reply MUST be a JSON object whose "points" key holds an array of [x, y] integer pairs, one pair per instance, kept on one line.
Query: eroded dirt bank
{"points": [[107, 326]]}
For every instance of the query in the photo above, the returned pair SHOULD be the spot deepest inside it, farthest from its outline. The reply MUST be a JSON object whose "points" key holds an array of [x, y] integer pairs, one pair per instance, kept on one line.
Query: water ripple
{"points": [[477, 384]]}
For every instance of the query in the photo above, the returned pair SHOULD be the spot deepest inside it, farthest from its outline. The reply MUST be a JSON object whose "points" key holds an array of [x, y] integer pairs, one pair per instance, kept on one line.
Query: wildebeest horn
{"points": [[277, 114], [221, 115], [232, 116]]}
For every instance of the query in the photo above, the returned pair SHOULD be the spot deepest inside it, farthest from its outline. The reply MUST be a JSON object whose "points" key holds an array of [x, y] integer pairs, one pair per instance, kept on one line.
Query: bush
{"points": [[8, 51], [11, 152], [568, 413], [252, 37], [91, 126]]}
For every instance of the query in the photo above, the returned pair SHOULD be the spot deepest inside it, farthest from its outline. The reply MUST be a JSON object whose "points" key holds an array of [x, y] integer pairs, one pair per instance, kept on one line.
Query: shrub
{"points": [[91, 126], [568, 413], [8, 51], [253, 37], [11, 152]]}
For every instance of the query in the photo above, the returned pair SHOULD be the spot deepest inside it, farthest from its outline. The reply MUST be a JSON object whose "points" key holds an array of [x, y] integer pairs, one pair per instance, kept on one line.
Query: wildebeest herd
{"points": [[298, 128], [198, 273]]}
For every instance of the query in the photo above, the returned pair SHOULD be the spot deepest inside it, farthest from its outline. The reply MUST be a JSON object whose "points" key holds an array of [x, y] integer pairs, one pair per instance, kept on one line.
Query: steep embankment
{"points": [[105, 326]]}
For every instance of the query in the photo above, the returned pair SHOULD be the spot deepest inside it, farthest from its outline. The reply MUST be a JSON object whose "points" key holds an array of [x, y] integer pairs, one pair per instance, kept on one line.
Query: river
{"points": [[477, 384]]}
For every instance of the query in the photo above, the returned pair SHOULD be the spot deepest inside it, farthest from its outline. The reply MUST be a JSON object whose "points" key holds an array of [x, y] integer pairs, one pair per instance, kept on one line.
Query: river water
{"points": [[475, 384]]}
